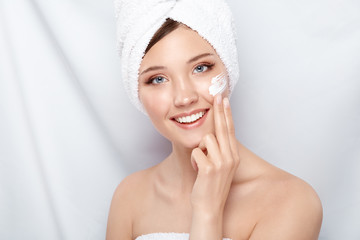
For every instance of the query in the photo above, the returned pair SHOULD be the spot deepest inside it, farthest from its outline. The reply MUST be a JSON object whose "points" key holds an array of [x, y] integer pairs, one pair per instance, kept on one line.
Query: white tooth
{"points": [[191, 118]]}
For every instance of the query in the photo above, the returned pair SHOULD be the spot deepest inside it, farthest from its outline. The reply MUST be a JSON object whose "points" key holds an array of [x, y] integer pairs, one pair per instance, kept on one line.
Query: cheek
{"points": [[202, 87], [204, 91], [156, 103]]}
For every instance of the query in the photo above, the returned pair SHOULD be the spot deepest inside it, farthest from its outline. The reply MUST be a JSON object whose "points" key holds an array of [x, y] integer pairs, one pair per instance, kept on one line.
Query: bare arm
{"points": [[119, 221], [216, 160]]}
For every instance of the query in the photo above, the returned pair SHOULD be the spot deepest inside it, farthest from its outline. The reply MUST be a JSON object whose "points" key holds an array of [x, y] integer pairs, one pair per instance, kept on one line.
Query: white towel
{"points": [[138, 20], [166, 236]]}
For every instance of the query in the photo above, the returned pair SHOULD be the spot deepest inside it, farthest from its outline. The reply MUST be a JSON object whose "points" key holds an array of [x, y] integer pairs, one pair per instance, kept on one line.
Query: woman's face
{"points": [[174, 79]]}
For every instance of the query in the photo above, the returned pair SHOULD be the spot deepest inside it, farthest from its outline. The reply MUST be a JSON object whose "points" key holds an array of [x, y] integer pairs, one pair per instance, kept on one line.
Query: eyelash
{"points": [[208, 65], [151, 79]]}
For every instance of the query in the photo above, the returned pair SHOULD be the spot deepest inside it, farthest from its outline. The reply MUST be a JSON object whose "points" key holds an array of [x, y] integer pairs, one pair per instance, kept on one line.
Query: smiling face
{"points": [[174, 79]]}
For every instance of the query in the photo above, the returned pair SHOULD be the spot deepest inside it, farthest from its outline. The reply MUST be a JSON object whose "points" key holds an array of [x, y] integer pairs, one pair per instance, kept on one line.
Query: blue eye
{"points": [[157, 80], [201, 68]]}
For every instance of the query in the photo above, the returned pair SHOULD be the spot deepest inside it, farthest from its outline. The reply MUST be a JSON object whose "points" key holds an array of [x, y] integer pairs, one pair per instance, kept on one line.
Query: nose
{"points": [[185, 92]]}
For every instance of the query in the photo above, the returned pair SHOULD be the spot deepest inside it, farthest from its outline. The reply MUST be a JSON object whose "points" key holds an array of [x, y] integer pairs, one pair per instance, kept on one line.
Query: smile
{"points": [[191, 118]]}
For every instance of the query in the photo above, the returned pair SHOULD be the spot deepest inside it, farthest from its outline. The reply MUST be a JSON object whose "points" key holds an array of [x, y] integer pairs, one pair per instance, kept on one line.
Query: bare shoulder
{"points": [[294, 210], [126, 199], [132, 185]]}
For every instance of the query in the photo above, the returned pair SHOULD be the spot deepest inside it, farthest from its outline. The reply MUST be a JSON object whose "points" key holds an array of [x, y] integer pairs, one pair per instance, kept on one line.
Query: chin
{"points": [[191, 145], [189, 139], [190, 142]]}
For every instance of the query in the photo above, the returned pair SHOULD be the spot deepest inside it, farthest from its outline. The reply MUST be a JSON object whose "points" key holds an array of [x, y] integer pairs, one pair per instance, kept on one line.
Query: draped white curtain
{"points": [[68, 134]]}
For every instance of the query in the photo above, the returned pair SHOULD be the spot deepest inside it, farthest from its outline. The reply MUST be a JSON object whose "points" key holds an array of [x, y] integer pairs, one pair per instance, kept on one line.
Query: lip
{"points": [[189, 113], [193, 125]]}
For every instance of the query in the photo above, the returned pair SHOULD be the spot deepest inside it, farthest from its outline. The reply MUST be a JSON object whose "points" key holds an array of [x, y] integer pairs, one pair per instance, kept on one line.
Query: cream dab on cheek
{"points": [[218, 84]]}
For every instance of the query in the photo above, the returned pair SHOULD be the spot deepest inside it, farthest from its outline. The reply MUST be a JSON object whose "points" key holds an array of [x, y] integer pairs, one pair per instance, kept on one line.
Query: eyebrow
{"points": [[153, 68], [199, 56]]}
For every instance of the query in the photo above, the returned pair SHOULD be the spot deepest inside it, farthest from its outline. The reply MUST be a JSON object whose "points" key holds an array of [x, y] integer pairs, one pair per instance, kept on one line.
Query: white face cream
{"points": [[218, 84]]}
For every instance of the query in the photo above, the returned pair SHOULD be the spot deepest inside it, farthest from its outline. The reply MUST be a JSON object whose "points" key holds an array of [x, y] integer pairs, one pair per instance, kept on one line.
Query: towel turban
{"points": [[138, 20]]}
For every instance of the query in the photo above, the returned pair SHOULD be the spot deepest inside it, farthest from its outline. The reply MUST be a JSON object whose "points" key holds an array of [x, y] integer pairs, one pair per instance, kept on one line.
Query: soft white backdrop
{"points": [[68, 133]]}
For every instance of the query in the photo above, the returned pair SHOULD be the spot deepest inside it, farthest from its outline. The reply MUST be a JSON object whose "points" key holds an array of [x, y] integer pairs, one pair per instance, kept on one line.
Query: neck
{"points": [[178, 164], [180, 175]]}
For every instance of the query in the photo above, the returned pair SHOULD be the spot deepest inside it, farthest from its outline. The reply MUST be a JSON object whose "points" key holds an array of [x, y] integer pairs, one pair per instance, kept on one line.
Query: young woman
{"points": [[210, 187]]}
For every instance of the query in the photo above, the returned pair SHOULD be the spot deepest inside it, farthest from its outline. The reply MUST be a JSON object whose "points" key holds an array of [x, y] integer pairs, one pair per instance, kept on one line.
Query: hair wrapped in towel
{"points": [[138, 20]]}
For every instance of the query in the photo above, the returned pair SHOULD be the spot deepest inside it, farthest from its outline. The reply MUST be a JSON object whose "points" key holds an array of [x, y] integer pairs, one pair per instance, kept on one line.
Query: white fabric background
{"points": [[68, 133]]}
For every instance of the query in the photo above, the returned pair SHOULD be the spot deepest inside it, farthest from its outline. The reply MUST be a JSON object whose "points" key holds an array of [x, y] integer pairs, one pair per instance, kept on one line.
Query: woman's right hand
{"points": [[216, 160]]}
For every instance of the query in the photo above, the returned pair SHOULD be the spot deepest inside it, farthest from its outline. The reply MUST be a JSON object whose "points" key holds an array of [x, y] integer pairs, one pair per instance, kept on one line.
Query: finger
{"points": [[230, 128], [198, 159], [210, 147], [220, 125]]}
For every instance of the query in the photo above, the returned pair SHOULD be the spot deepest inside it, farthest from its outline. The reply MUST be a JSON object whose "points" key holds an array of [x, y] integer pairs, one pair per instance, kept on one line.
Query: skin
{"points": [[210, 186]]}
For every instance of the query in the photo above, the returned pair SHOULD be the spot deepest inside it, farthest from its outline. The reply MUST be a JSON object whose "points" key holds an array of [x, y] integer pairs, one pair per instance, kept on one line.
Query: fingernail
{"points": [[218, 99], [226, 102]]}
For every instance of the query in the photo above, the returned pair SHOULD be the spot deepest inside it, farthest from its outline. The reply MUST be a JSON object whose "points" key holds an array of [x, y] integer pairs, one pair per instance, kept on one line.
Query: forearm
{"points": [[206, 225]]}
